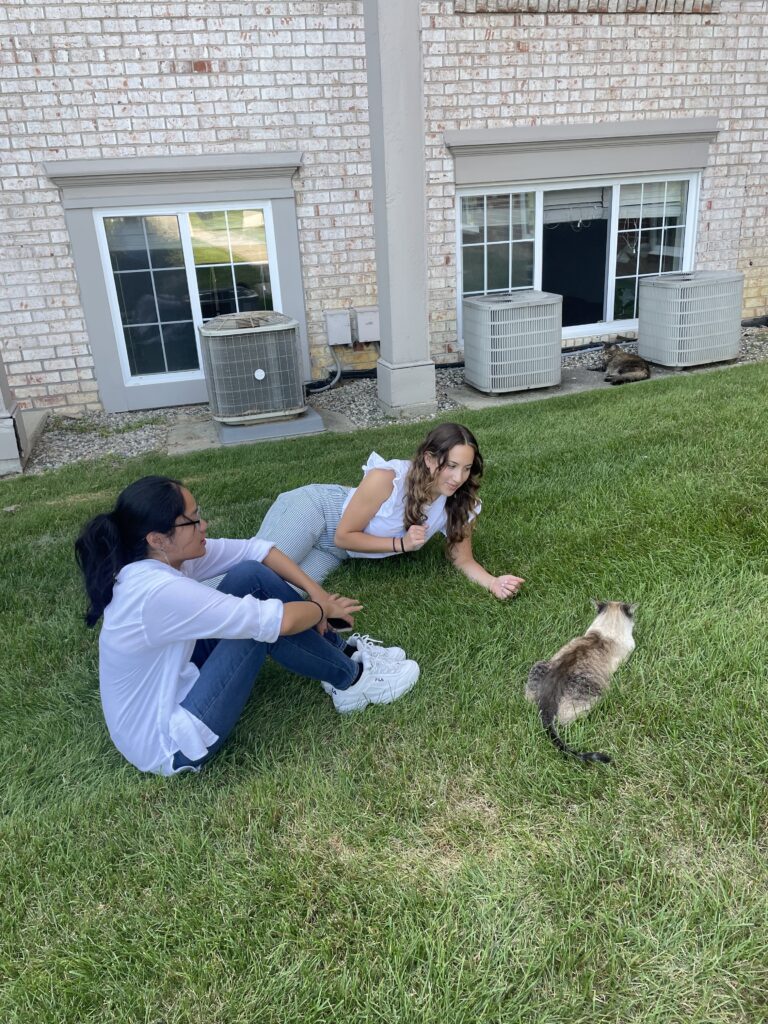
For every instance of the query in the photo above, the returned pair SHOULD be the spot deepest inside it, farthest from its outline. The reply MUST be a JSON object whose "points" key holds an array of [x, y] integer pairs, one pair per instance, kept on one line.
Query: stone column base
{"points": [[407, 389], [19, 430]]}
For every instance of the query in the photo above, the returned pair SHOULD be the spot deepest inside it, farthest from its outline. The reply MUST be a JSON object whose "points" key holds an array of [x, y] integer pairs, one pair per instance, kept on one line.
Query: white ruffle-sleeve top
{"points": [[388, 521], [156, 615]]}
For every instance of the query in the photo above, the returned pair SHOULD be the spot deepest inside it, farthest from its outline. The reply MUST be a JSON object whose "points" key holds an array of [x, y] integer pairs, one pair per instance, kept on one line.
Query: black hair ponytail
{"points": [[109, 541], [97, 551]]}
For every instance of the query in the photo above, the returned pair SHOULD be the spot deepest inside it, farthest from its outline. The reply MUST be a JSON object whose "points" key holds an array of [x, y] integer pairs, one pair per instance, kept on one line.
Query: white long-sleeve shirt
{"points": [[156, 615]]}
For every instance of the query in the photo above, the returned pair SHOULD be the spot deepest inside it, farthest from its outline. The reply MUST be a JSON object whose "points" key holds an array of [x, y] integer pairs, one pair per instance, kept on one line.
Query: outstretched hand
{"points": [[506, 586], [337, 607]]}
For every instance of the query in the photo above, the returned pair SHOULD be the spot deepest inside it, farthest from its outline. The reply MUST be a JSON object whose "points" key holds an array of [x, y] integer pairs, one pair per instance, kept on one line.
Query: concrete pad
{"points": [[192, 435], [34, 421], [573, 380], [336, 422], [270, 430]]}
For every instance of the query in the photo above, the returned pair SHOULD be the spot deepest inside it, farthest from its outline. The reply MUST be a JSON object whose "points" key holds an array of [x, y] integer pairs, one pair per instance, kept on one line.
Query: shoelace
{"points": [[364, 638], [368, 643]]}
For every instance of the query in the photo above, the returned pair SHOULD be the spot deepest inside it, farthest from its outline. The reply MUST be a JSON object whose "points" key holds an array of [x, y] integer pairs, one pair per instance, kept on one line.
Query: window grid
{"points": [[498, 264], [647, 245], [228, 293], [671, 238], [147, 330], [144, 352]]}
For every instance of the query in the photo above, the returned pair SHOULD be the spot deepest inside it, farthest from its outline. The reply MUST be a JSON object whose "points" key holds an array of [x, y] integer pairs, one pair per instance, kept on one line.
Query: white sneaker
{"points": [[380, 683], [363, 642]]}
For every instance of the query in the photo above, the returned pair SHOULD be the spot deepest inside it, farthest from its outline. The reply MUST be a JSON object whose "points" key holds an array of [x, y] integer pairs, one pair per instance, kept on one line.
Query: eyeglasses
{"points": [[192, 522]]}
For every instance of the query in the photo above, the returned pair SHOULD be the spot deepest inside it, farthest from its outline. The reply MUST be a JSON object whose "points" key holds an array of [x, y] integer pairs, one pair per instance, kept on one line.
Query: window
{"points": [[591, 244], [650, 239], [497, 242], [627, 209], [171, 271], [163, 243]]}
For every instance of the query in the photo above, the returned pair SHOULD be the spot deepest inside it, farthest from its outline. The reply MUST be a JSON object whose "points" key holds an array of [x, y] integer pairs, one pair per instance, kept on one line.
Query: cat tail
{"points": [[548, 713], [627, 376]]}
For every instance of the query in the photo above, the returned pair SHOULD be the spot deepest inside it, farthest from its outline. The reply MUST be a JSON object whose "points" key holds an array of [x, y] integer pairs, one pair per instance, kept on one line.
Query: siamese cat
{"points": [[573, 680], [622, 367]]}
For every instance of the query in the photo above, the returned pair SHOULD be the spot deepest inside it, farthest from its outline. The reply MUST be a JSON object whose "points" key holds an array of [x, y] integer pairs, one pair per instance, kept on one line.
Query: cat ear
{"points": [[629, 610], [599, 606]]}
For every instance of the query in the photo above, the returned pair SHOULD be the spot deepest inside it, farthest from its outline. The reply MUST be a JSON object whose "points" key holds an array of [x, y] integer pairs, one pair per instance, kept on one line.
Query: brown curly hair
{"points": [[418, 483]]}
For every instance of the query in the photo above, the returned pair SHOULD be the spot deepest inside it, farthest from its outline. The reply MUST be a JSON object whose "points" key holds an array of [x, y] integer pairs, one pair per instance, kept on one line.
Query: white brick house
{"points": [[165, 162]]}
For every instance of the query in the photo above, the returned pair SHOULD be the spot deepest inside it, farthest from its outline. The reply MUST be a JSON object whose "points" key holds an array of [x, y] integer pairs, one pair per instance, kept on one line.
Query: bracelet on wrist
{"points": [[322, 611], [402, 544]]}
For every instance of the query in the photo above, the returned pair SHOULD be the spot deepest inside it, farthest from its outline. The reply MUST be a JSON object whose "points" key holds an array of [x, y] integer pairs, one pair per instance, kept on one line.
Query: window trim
{"points": [[693, 177], [181, 211], [495, 156], [85, 184], [153, 182]]}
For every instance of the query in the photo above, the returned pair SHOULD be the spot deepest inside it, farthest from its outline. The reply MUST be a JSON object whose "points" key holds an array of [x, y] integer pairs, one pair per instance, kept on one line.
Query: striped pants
{"points": [[302, 523]]}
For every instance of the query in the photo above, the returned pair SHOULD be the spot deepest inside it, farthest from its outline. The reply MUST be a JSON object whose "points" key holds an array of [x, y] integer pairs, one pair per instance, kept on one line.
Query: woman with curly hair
{"points": [[397, 507]]}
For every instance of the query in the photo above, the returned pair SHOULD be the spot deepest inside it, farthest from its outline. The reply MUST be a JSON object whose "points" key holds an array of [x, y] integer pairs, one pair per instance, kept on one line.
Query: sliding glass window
{"points": [[589, 242]]}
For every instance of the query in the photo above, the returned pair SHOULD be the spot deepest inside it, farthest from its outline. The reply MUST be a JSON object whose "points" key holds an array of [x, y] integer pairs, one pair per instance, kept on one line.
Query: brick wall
{"points": [[586, 6], [516, 69], [121, 79], [139, 79]]}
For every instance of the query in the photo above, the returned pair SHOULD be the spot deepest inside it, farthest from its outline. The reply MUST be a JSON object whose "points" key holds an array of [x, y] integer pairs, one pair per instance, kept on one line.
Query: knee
{"points": [[248, 578]]}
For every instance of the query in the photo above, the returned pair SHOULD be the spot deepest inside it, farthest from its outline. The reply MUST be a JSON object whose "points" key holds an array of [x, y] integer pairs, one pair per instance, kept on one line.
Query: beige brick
{"points": [[180, 77]]}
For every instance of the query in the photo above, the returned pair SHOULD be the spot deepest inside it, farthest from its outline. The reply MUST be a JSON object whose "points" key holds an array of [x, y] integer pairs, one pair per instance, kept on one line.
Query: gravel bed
{"points": [[92, 435], [357, 399]]}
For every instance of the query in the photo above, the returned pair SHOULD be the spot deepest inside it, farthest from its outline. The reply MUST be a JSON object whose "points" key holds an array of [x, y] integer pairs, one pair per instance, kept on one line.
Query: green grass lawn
{"points": [[435, 860]]}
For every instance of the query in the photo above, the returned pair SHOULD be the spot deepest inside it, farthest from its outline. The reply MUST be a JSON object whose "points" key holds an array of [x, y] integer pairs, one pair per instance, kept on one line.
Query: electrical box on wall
{"points": [[368, 323], [338, 327]]}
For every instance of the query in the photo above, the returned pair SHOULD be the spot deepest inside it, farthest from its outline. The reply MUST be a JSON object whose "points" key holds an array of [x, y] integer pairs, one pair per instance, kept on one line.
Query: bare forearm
{"points": [[475, 572], [364, 542], [299, 616], [287, 569]]}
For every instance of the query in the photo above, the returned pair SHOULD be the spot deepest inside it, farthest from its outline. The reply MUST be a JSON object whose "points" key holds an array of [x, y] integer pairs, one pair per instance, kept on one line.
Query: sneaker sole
{"points": [[386, 693], [382, 694]]}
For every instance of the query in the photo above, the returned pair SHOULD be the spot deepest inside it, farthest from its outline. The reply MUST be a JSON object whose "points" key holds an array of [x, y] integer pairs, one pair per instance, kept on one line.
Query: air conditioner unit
{"points": [[690, 319], [252, 367], [513, 341]]}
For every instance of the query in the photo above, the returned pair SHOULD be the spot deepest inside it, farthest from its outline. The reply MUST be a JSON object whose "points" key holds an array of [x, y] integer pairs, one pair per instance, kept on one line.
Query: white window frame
{"points": [[181, 212], [692, 177]]}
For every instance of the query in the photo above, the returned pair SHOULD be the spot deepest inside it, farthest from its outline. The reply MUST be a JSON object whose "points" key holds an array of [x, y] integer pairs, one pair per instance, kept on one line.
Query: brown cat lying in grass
{"points": [[622, 367]]}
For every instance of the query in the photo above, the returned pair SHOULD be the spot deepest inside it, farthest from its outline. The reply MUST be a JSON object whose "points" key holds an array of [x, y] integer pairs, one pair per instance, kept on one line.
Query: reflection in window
{"points": [[231, 264], [152, 293], [497, 234], [650, 239]]}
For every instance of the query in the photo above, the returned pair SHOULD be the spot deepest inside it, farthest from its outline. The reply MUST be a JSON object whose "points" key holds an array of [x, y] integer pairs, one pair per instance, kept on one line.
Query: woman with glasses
{"points": [[178, 659]]}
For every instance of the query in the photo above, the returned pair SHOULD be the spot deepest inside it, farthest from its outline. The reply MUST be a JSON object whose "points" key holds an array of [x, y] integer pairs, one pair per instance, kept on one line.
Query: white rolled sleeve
{"points": [[223, 554], [182, 609]]}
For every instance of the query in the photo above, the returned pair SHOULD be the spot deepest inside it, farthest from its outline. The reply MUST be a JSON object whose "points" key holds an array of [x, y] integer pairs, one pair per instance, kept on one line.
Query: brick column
{"points": [[406, 373]]}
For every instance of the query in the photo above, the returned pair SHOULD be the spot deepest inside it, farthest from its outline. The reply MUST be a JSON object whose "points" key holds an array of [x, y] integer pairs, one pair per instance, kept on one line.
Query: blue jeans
{"points": [[228, 668]]}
